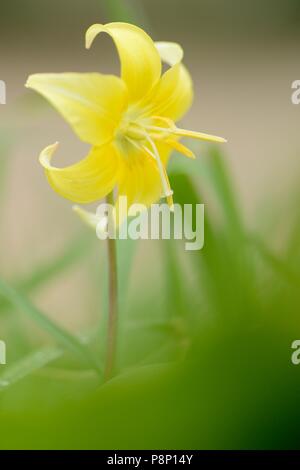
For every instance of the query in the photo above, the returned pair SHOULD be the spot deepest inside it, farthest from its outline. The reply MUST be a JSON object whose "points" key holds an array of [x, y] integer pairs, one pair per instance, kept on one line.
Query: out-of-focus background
{"points": [[243, 59], [243, 56]]}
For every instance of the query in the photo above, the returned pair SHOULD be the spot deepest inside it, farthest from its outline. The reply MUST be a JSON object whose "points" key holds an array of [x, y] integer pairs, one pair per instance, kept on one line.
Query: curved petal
{"points": [[89, 218], [173, 95], [140, 60], [170, 52], [86, 181], [90, 102]]}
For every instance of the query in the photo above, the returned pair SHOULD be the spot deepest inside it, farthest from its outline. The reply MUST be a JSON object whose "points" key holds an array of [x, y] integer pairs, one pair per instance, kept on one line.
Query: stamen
{"points": [[168, 193], [140, 131], [168, 130], [170, 200], [174, 144], [185, 133], [135, 144], [135, 131], [199, 135], [162, 131], [168, 121], [165, 181]]}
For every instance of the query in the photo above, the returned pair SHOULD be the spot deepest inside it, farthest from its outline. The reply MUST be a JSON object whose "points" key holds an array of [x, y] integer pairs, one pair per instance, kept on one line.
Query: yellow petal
{"points": [[139, 178], [170, 52], [164, 151], [173, 95], [89, 218], [140, 61], [90, 102], [86, 181]]}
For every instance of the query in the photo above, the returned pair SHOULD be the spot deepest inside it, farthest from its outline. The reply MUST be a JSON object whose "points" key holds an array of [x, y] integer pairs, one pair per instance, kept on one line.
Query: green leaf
{"points": [[210, 172], [28, 365], [226, 248], [50, 269], [62, 337], [73, 253], [285, 270], [223, 188]]}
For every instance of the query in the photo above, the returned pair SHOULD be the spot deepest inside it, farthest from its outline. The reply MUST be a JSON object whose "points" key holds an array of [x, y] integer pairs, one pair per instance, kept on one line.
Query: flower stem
{"points": [[112, 328]]}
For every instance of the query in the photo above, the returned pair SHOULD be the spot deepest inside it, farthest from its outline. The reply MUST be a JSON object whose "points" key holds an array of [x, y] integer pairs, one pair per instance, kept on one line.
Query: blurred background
{"points": [[231, 311]]}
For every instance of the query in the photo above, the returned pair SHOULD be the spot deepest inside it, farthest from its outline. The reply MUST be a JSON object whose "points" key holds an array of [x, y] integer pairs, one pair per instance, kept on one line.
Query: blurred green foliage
{"points": [[204, 357], [234, 17]]}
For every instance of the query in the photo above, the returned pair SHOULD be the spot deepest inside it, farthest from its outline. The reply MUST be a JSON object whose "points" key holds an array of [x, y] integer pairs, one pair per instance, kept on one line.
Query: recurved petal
{"points": [[90, 102], [140, 60], [170, 52], [86, 181], [89, 218], [173, 95]]}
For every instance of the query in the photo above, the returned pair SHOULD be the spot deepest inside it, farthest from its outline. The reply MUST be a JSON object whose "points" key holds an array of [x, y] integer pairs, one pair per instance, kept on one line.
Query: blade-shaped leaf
{"points": [[62, 337], [28, 365], [48, 270]]}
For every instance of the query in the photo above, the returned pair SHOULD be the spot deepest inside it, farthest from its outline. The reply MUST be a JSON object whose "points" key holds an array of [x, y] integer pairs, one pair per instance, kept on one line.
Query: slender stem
{"points": [[113, 301]]}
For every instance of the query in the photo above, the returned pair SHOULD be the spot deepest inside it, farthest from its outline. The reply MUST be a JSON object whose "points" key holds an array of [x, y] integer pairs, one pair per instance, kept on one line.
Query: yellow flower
{"points": [[129, 121]]}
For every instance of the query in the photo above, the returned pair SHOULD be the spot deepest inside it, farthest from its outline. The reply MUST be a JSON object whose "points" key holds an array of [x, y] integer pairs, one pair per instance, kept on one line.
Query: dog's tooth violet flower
{"points": [[129, 121]]}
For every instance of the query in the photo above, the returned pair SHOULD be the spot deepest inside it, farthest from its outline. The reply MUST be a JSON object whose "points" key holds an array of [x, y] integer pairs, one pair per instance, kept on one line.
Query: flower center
{"points": [[139, 133]]}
